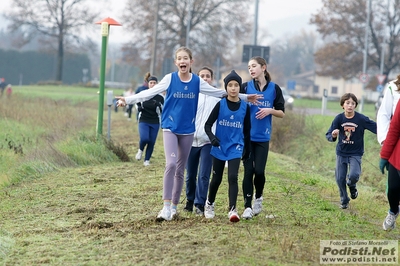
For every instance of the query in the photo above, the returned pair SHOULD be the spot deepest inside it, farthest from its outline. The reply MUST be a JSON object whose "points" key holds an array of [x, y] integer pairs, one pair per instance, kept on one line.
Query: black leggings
{"points": [[218, 171], [393, 194], [255, 165]]}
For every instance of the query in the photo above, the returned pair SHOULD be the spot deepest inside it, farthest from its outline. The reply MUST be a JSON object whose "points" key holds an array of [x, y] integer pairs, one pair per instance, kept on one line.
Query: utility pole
{"points": [[155, 34], [384, 40], [255, 29], [365, 53], [188, 22]]}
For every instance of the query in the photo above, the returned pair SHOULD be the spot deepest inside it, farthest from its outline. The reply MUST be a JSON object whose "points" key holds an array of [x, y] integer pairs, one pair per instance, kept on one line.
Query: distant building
{"points": [[310, 85]]}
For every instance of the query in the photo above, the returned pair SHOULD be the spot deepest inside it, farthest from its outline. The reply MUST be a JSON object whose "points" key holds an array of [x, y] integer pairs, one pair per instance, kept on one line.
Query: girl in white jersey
{"points": [[387, 108], [386, 111], [178, 122], [199, 164]]}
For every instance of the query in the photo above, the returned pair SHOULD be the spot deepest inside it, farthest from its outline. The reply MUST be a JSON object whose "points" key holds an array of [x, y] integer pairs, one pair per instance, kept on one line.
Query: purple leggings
{"points": [[176, 150]]}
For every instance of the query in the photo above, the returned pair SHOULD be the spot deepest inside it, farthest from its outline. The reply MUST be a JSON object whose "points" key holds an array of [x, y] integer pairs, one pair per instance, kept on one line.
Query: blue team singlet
{"points": [[229, 130], [261, 128], [180, 106]]}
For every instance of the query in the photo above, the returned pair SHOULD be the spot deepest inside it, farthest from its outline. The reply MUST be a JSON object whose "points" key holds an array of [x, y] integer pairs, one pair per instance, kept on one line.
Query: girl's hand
{"points": [[253, 98], [121, 101], [263, 112]]}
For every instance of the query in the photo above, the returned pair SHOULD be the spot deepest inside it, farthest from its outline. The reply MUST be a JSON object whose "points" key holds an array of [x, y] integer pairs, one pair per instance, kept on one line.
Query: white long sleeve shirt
{"points": [[204, 108], [386, 110]]}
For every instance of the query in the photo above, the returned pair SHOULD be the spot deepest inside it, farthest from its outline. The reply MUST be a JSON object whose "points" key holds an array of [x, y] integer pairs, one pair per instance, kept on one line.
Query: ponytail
{"points": [[397, 82], [147, 76]]}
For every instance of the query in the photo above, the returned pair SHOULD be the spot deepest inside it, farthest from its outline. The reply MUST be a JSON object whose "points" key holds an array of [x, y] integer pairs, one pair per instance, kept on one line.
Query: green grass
{"points": [[72, 202], [37, 131], [70, 93], [334, 106]]}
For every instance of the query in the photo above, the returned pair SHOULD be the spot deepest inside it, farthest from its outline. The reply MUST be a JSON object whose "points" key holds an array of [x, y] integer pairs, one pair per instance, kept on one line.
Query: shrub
{"points": [[285, 131]]}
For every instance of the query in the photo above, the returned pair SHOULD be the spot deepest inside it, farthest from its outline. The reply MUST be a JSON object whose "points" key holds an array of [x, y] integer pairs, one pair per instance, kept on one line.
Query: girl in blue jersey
{"points": [[178, 122], [149, 121], [349, 127], [232, 136], [273, 104]]}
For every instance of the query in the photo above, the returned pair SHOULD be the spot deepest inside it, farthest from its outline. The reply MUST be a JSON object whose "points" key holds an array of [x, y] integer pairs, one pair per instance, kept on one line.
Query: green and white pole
{"points": [[104, 33]]}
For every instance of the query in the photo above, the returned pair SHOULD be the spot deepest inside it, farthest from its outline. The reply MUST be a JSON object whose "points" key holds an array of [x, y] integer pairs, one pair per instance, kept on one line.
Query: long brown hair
{"points": [[262, 62]]}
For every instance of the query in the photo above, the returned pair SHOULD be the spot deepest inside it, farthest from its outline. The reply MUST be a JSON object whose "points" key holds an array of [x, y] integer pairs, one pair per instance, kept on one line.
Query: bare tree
{"points": [[56, 22], [294, 54], [216, 26], [342, 24]]}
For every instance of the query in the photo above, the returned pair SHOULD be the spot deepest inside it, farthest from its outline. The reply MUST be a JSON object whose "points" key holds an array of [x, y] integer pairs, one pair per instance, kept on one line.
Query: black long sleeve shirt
{"points": [[233, 106]]}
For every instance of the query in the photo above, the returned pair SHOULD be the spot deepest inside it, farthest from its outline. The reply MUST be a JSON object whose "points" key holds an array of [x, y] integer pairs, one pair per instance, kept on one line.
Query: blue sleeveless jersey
{"points": [[261, 128], [180, 106], [229, 130]]}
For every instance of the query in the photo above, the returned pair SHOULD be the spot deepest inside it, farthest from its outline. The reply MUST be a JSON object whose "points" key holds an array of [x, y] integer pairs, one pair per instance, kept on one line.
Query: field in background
{"points": [[333, 106], [72, 200]]}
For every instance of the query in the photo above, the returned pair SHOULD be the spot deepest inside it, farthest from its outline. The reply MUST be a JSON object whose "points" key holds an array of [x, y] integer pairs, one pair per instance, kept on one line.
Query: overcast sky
{"points": [[277, 18]]}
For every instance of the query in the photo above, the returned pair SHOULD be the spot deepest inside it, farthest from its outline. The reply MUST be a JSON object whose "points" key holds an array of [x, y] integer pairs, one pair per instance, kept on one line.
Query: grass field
{"points": [[68, 200]]}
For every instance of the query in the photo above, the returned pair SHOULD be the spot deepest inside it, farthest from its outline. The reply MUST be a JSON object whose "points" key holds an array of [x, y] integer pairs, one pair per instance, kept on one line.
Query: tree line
{"points": [[342, 24], [216, 29], [32, 67]]}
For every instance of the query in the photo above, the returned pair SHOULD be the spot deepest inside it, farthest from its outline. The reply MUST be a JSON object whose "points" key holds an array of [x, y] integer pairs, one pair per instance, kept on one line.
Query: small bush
{"points": [[86, 150], [285, 130], [49, 82], [118, 150]]}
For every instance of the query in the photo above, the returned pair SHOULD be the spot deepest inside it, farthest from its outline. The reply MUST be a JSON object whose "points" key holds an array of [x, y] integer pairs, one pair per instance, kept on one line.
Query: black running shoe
{"points": [[353, 193], [189, 206]]}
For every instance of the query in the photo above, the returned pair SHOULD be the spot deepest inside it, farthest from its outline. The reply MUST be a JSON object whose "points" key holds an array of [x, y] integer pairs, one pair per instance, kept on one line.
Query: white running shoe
{"points": [[247, 214], [234, 216], [139, 155], [173, 213], [209, 210], [257, 206], [146, 163], [164, 214], [390, 221]]}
